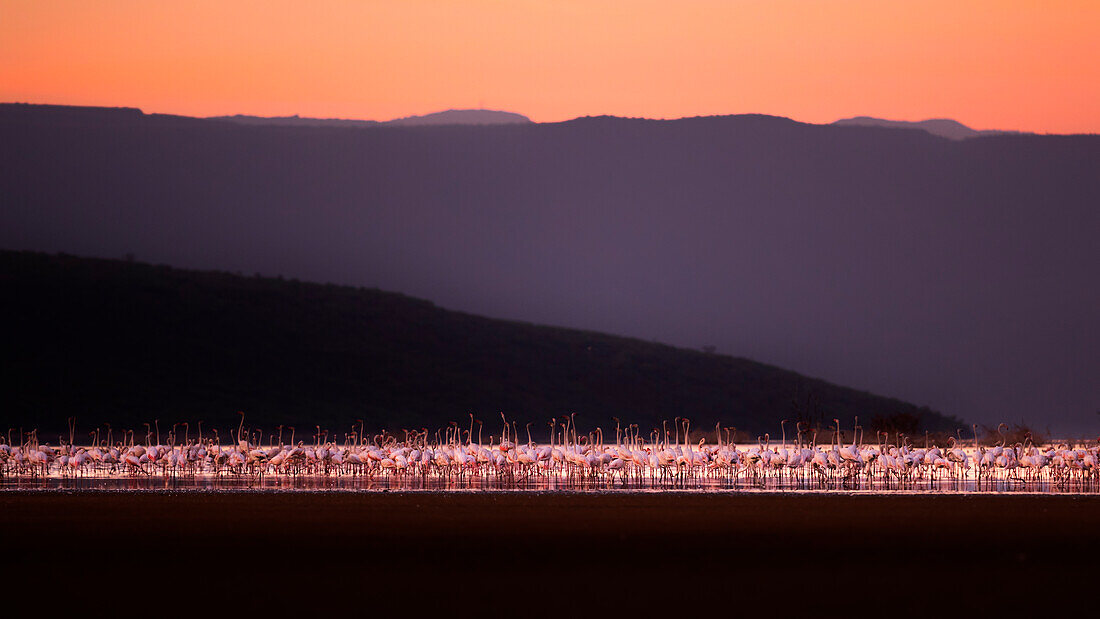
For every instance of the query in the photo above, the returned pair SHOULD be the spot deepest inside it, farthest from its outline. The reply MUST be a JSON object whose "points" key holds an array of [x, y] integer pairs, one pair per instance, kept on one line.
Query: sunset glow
{"points": [[990, 64]]}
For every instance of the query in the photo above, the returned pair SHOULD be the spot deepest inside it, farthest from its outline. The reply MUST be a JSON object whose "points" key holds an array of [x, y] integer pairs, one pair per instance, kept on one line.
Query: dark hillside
{"points": [[122, 342]]}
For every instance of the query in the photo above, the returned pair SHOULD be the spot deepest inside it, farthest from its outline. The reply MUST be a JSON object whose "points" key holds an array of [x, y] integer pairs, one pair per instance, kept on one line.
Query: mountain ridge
{"points": [[937, 270]]}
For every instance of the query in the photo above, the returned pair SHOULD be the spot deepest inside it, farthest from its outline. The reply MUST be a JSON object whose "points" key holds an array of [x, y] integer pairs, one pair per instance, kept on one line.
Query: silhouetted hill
{"points": [[943, 127], [462, 117], [125, 343], [447, 117], [957, 274]]}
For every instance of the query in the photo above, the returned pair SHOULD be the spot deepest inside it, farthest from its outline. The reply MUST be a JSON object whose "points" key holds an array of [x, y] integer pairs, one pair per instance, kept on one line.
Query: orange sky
{"points": [[1007, 64]]}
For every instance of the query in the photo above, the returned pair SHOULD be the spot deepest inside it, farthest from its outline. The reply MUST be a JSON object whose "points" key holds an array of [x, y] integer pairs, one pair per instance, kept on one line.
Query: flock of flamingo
{"points": [[451, 453]]}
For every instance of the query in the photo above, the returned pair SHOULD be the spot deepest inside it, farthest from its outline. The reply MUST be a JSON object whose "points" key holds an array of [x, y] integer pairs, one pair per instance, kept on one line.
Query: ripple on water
{"points": [[411, 483]]}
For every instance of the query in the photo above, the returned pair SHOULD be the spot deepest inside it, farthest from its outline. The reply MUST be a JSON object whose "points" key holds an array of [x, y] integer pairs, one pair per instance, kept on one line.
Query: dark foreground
{"points": [[738, 550]]}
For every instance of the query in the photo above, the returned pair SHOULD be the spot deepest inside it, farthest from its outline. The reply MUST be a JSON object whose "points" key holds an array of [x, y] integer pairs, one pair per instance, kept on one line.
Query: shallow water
{"points": [[890, 551], [536, 483]]}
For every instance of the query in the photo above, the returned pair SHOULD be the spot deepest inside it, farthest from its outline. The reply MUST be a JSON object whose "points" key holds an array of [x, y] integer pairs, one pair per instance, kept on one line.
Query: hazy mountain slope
{"points": [[462, 117], [295, 121], [943, 127], [124, 343], [958, 274], [446, 117]]}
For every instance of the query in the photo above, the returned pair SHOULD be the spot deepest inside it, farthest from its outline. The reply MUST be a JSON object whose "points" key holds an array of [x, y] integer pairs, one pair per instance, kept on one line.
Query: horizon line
{"points": [[296, 115]]}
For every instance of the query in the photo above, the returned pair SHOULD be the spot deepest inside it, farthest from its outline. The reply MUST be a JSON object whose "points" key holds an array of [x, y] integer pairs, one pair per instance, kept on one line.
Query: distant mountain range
{"points": [[448, 117], [943, 127], [957, 274]]}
